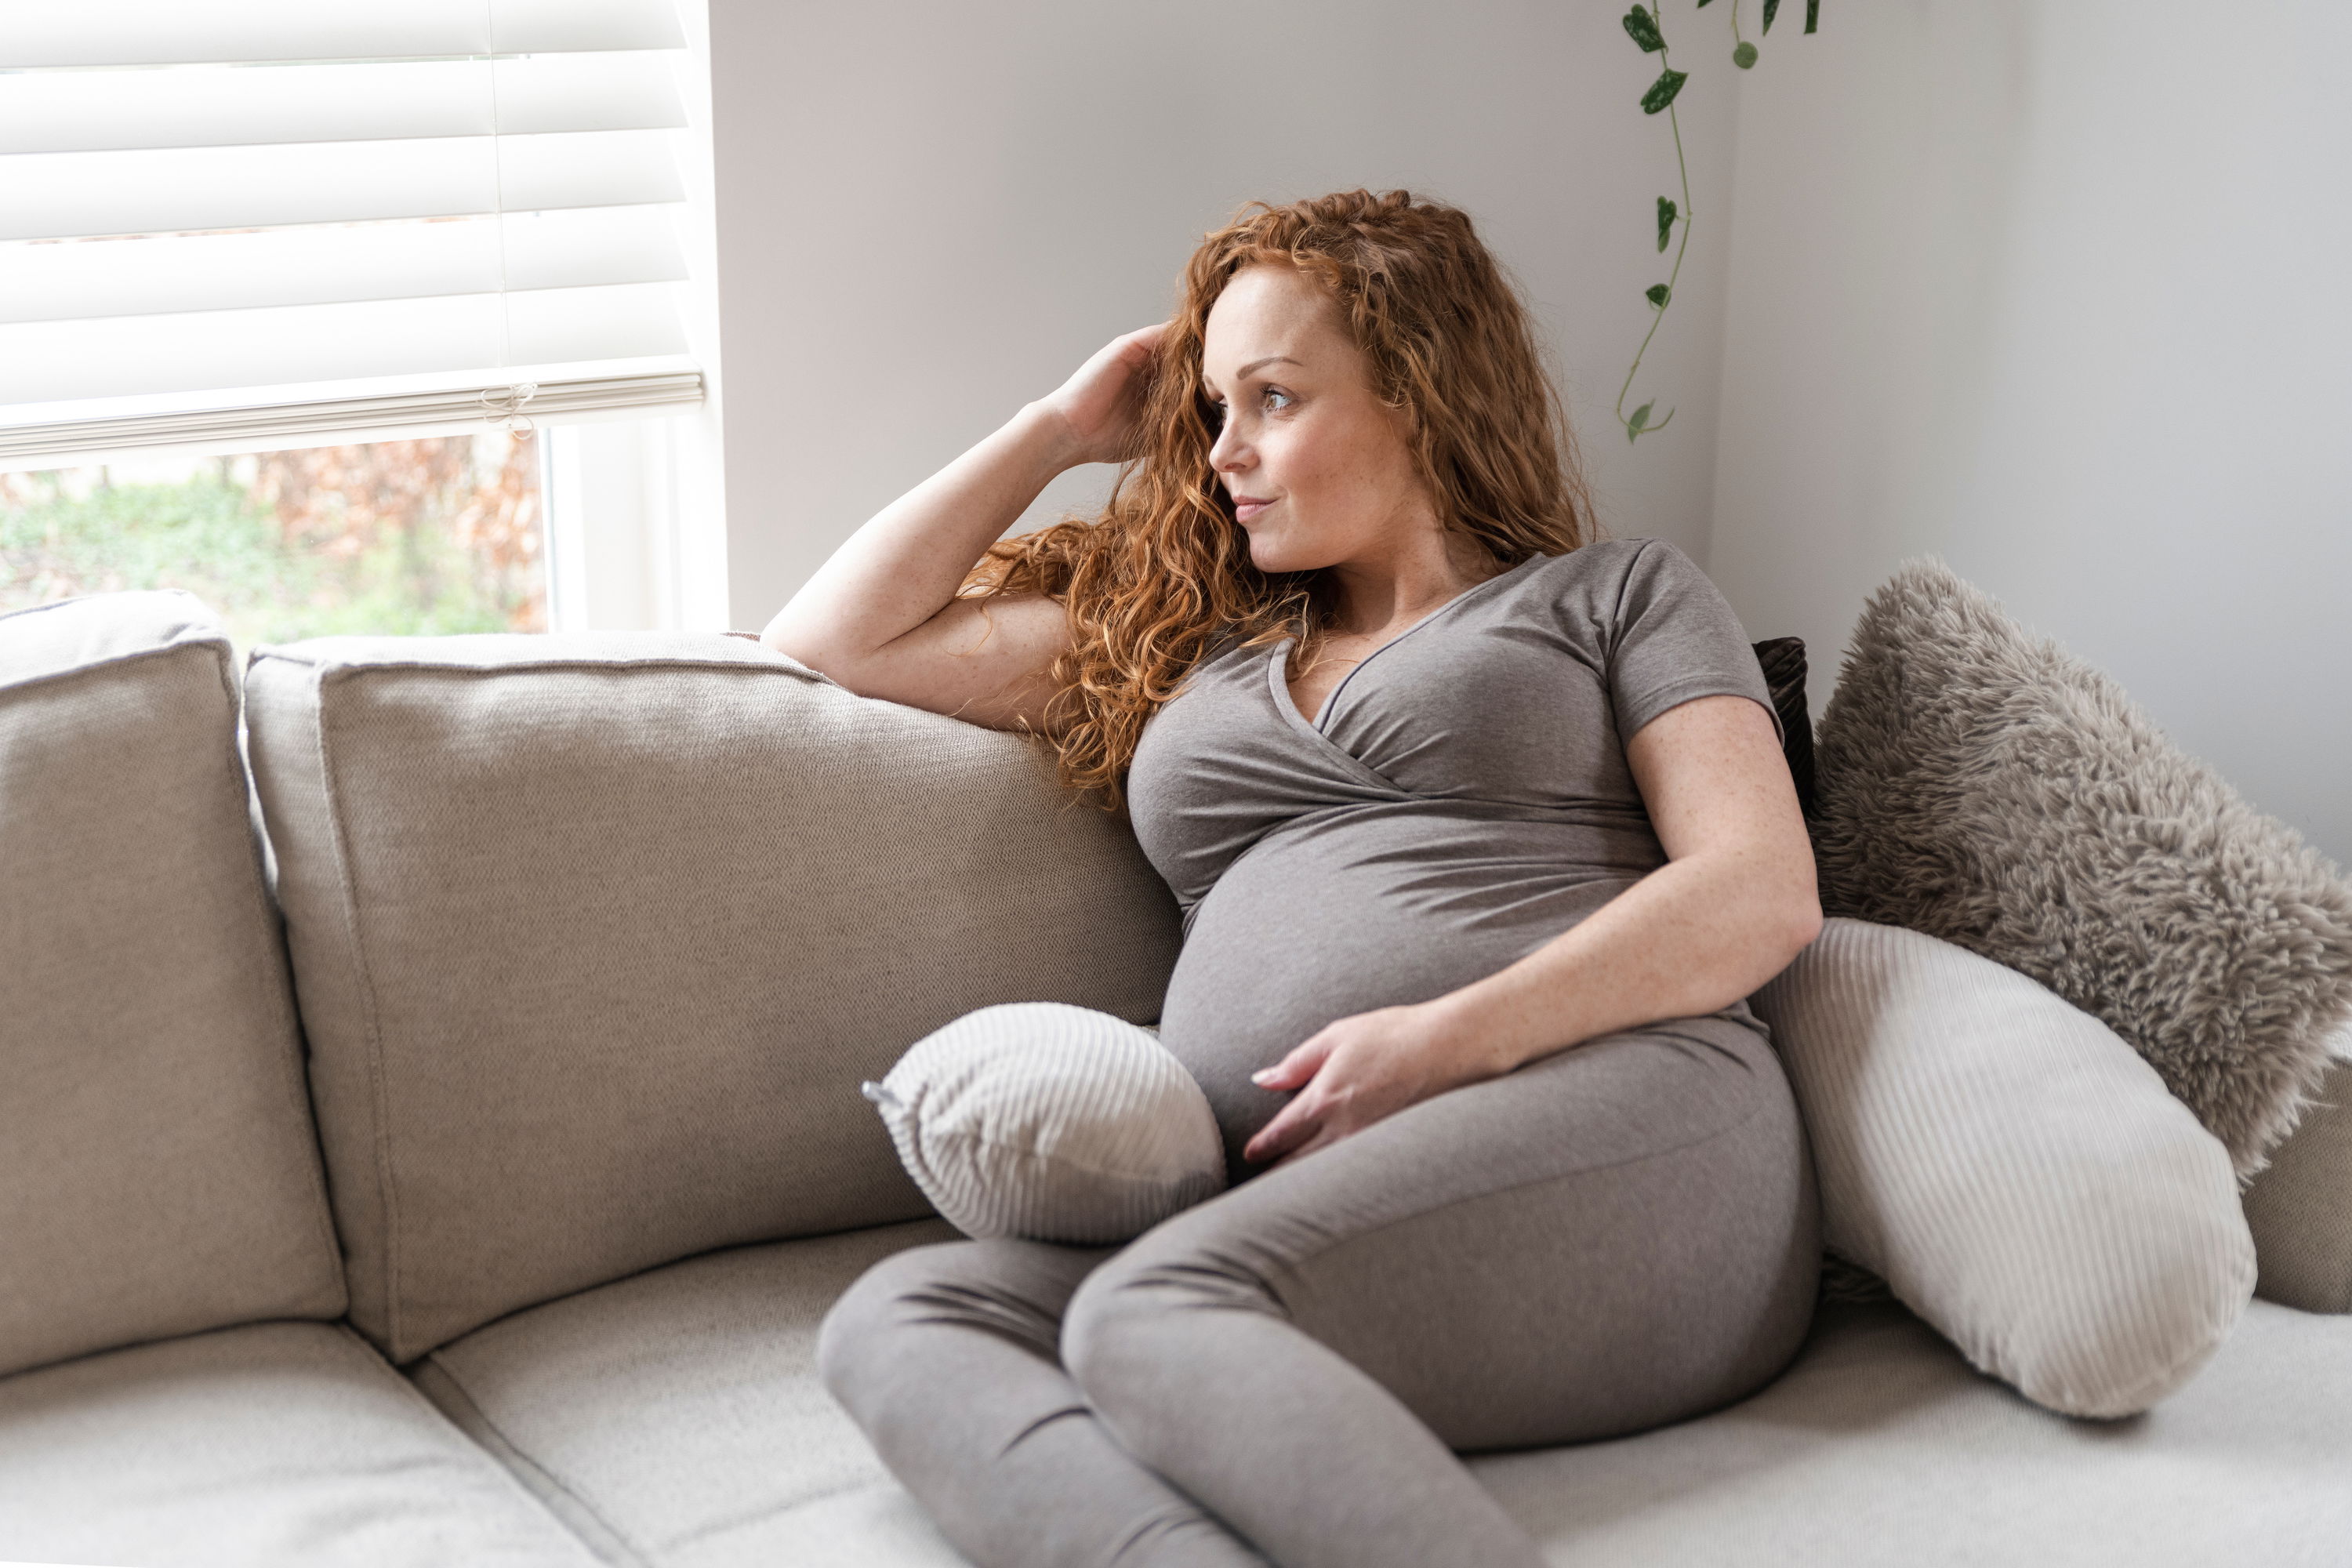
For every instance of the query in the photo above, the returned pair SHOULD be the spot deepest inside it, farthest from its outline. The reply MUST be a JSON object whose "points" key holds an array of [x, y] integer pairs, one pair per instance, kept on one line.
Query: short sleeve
{"points": [[1675, 637]]}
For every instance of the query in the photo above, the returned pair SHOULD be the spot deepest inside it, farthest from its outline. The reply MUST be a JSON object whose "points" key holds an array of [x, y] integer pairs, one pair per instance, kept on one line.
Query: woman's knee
{"points": [[1015, 1289], [1106, 1317], [857, 1327], [1118, 1332]]}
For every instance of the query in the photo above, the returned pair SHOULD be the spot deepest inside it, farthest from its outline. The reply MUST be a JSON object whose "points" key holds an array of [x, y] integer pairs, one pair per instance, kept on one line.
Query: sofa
{"points": [[430, 1134]]}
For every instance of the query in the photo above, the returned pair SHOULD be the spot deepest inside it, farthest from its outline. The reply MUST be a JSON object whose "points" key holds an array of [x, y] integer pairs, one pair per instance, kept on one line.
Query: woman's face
{"points": [[1321, 471]]}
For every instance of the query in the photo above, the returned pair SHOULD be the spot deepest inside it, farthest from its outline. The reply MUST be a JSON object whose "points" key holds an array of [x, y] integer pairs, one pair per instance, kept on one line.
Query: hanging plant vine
{"points": [[1646, 27]]}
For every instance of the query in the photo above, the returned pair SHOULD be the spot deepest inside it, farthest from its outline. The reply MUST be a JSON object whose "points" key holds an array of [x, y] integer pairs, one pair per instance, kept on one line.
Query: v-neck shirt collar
{"points": [[1278, 662]]}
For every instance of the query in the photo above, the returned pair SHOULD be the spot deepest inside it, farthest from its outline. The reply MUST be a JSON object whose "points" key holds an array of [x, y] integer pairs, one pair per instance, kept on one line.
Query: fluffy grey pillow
{"points": [[2019, 1175], [1986, 787], [1051, 1122]]}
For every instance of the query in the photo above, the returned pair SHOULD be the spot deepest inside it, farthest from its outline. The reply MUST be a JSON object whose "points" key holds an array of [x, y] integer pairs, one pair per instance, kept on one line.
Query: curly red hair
{"points": [[1164, 573]]}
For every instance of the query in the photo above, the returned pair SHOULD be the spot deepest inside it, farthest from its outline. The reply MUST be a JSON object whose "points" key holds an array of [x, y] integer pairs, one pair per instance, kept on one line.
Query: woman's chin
{"points": [[1271, 553]]}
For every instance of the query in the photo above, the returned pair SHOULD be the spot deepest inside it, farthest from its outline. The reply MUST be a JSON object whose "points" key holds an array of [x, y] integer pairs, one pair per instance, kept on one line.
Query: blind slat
{"points": [[169, 32], [172, 190], [635, 90], [260, 426], [200, 196], [153, 32], [232, 106], [328, 263], [43, 362], [524, 27]]}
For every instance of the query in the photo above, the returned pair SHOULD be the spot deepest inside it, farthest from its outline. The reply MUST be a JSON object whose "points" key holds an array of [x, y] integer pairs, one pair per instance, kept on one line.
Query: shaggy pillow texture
{"points": [[1984, 786], [1051, 1122], [2016, 1173]]}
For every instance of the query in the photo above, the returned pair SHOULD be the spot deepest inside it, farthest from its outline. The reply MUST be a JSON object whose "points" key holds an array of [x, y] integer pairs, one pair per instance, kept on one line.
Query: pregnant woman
{"points": [[1482, 834]]}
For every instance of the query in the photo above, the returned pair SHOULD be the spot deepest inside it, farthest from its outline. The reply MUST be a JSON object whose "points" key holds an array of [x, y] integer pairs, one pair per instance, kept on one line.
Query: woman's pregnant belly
{"points": [[1349, 910]]}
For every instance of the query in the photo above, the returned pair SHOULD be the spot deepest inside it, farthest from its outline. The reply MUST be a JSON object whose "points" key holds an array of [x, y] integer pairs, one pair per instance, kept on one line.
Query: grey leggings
{"points": [[1613, 1238]]}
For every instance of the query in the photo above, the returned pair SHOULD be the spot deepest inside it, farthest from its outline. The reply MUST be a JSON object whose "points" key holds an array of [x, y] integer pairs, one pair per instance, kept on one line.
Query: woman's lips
{"points": [[1248, 507]]}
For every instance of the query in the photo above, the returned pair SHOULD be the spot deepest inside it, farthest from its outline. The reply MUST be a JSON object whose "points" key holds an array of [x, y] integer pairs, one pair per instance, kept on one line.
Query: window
{"points": [[251, 230], [444, 534]]}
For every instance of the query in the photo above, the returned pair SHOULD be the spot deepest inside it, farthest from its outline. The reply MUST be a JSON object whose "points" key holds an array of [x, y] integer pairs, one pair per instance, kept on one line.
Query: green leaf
{"points": [[1641, 417], [1702, 4], [1642, 28], [1657, 295], [1812, 14], [1744, 55], [1771, 9], [1662, 91], [1665, 221]]}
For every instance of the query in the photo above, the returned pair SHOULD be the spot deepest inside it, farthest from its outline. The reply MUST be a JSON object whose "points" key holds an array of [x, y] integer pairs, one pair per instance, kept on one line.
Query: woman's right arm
{"points": [[881, 616]]}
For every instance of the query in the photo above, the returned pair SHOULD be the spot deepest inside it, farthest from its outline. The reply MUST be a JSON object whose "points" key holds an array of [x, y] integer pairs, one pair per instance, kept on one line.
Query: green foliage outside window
{"points": [[407, 538]]}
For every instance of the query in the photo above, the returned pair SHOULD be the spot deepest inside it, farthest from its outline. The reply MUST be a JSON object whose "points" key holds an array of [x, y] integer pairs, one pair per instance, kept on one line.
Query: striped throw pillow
{"points": [[2019, 1175], [1051, 1122]]}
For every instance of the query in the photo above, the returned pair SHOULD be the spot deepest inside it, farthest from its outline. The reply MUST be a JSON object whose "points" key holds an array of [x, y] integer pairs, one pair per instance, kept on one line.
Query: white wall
{"points": [[931, 212], [2059, 293]]}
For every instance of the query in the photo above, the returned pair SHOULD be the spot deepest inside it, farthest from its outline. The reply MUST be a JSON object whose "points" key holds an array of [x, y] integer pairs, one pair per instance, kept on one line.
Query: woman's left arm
{"points": [[1735, 902]]}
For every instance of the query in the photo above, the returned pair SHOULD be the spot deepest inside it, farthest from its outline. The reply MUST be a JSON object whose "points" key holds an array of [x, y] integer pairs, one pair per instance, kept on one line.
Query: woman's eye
{"points": [[1214, 413], [1273, 393]]}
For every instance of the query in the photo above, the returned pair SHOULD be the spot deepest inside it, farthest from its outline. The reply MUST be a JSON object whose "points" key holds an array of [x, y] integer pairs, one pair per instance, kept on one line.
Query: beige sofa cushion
{"points": [[596, 937], [1881, 1447], [676, 1418], [158, 1171], [270, 1446], [2300, 1207], [682, 1410]]}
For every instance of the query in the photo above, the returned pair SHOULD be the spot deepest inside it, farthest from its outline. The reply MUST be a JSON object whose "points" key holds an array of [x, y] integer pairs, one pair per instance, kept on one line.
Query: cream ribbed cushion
{"points": [[2019, 1175], [1051, 1122]]}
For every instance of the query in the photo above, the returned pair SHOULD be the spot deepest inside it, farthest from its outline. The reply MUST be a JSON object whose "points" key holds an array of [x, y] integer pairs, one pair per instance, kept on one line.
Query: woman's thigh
{"points": [[1615, 1237]]}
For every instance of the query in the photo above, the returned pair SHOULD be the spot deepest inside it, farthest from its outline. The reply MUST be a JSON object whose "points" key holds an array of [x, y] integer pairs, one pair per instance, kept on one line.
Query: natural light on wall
{"points": [[416, 230]]}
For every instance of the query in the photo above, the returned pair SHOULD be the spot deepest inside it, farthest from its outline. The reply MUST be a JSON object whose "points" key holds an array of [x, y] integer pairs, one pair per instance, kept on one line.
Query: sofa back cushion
{"points": [[596, 938], [2300, 1207], [159, 1174]]}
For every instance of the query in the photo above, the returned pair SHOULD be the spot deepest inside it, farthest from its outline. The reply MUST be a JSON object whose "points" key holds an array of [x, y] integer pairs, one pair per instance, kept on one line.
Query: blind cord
{"points": [[498, 182]]}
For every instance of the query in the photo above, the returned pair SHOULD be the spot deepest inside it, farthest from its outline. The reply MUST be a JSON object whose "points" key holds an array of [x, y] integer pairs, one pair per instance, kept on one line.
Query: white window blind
{"points": [[219, 217]]}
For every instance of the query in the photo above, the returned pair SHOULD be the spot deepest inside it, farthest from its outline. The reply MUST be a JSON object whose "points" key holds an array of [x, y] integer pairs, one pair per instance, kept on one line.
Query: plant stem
{"points": [[1683, 166]]}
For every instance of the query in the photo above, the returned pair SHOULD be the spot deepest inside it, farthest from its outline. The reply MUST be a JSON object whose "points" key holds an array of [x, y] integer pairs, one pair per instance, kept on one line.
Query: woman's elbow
{"points": [[1801, 901], [1786, 927], [1805, 924], [1791, 900]]}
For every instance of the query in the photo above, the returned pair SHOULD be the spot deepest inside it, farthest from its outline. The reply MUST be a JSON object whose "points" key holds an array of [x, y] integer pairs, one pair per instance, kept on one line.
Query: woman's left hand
{"points": [[1357, 1069]]}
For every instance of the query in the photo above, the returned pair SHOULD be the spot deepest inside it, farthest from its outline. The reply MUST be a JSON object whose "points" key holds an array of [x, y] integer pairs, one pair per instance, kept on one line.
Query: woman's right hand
{"points": [[1102, 405]]}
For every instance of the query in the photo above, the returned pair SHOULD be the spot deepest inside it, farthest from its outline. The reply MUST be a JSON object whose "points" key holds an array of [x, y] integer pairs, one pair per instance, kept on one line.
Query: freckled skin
{"points": [[1305, 432]]}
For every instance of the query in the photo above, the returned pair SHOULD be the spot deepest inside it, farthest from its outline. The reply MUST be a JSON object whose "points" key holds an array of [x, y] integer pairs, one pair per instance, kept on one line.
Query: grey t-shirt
{"points": [[1461, 798]]}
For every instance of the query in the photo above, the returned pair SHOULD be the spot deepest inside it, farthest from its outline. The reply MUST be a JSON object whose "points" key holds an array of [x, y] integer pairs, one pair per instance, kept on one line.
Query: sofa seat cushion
{"points": [[1881, 1445], [676, 1420], [278, 1445], [675, 1417]]}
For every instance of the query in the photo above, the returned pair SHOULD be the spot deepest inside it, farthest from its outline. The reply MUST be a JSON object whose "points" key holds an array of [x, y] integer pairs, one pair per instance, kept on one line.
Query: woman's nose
{"points": [[1227, 451]]}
